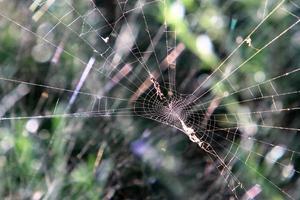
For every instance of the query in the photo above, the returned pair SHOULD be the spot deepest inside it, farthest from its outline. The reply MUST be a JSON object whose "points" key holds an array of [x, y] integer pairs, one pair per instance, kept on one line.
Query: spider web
{"points": [[128, 68]]}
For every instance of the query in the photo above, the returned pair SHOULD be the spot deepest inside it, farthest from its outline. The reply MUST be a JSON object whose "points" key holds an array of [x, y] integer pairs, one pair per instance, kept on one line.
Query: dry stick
{"points": [[155, 74], [213, 105], [265, 9], [172, 73], [59, 50], [99, 157], [170, 62], [82, 79], [121, 74], [9, 100], [45, 6], [126, 69]]}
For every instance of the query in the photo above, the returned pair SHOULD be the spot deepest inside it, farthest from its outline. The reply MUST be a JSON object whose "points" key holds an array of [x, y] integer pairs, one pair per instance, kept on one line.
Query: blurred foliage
{"points": [[54, 158]]}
